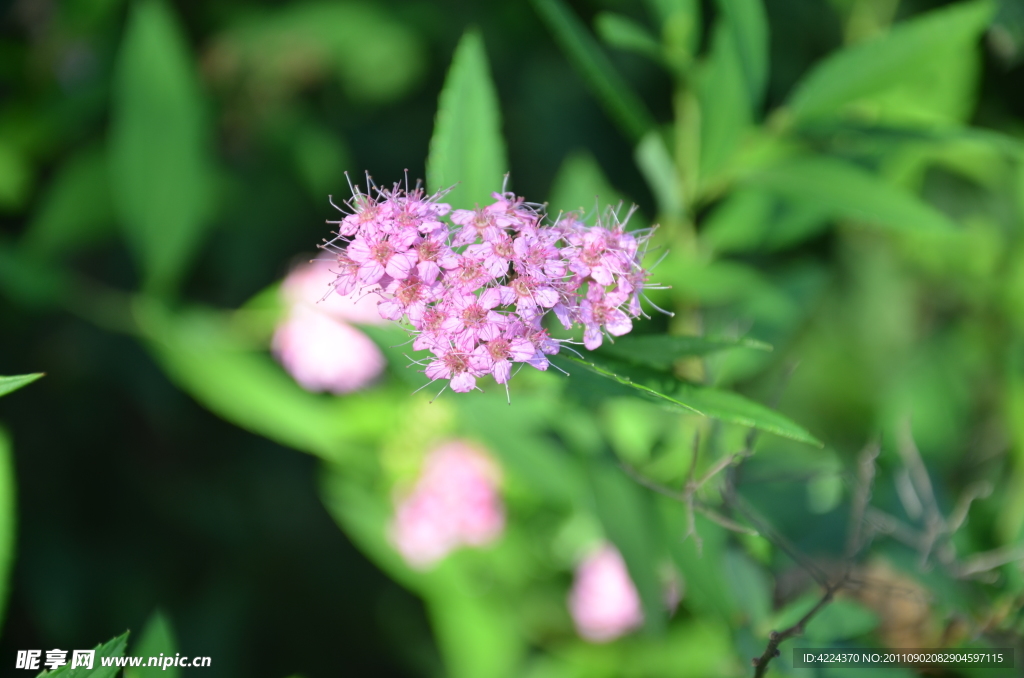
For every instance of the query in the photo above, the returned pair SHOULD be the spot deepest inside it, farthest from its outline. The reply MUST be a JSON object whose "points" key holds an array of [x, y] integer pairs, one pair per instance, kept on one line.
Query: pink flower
{"points": [[453, 363], [314, 284], [495, 357], [475, 290], [471, 319], [603, 602], [323, 354], [601, 309], [454, 503]]}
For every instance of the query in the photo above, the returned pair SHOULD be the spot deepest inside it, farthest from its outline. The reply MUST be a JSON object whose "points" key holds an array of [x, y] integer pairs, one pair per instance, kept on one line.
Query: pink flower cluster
{"points": [[603, 601], [475, 289], [315, 342], [455, 503]]}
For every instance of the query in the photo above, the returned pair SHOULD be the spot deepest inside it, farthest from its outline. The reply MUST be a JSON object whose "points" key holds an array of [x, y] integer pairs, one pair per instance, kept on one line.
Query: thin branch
{"points": [[776, 637], [862, 496]]}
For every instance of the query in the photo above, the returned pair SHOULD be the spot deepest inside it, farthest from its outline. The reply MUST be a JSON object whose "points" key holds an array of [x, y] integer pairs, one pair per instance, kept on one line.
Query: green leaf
{"points": [[15, 177], [894, 58], [680, 22], [199, 352], [839, 620], [8, 518], [748, 26], [660, 351], [624, 33], [157, 638], [467, 149], [658, 168], [846, 191], [580, 184], [475, 629], [741, 223], [749, 587], [722, 405], [375, 56], [519, 435], [477, 633], [630, 522], [76, 209], [112, 648], [725, 105], [8, 384], [159, 166], [620, 101]]}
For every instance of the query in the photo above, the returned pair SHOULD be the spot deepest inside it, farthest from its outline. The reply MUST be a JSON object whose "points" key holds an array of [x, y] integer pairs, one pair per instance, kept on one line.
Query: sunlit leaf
{"points": [[662, 350], [467, 149], [8, 384], [162, 179], [878, 64], [618, 98], [155, 639], [847, 191], [723, 405]]}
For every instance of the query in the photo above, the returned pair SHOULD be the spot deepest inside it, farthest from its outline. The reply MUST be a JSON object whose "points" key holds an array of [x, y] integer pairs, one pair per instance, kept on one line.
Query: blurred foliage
{"points": [[840, 209]]}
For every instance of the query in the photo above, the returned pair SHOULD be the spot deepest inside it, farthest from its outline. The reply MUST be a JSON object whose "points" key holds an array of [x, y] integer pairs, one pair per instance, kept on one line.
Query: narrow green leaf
{"points": [[476, 633], [157, 638], [725, 104], [680, 22], [467, 150], [8, 518], [112, 648], [658, 168], [662, 350], [76, 209], [8, 384], [625, 34], [876, 65], [620, 101], [722, 405], [159, 165], [847, 191], [748, 25]]}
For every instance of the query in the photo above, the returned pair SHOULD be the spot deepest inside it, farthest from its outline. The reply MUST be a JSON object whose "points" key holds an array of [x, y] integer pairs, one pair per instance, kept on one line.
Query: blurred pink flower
{"points": [[315, 343], [455, 503], [324, 354], [603, 602], [312, 284]]}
